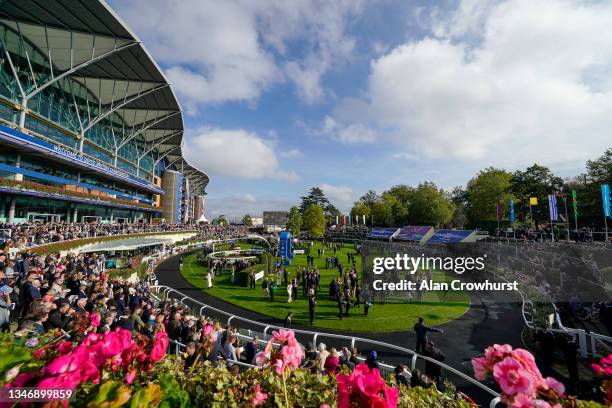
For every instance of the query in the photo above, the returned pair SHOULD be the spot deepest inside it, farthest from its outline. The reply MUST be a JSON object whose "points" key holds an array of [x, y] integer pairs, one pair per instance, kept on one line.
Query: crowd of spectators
{"points": [[28, 234]]}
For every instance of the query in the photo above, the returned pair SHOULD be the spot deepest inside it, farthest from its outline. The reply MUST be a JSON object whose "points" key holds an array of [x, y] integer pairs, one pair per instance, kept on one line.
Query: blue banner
{"points": [[413, 233], [284, 245], [511, 212], [605, 199], [552, 206], [449, 236]]}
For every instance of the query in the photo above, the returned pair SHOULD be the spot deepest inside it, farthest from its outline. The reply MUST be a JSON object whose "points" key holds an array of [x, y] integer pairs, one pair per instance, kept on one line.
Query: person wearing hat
{"points": [[372, 360]]}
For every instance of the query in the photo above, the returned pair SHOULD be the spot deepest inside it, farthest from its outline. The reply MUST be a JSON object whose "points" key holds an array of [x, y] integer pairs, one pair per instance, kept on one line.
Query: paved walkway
{"points": [[486, 322]]}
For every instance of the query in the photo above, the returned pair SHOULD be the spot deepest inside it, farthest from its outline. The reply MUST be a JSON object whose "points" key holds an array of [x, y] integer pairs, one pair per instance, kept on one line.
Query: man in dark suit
{"points": [[421, 335], [60, 316]]}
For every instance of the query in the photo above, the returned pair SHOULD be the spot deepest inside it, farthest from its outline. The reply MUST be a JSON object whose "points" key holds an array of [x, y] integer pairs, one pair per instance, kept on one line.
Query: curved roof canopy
{"points": [[86, 41]]}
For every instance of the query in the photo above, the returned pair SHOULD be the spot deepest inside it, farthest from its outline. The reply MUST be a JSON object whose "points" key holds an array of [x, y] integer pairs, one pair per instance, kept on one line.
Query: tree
{"points": [[359, 210], [397, 198], [430, 206], [600, 171], [459, 197], [536, 181], [220, 220], [382, 213], [294, 221], [316, 197], [369, 198], [484, 191], [247, 220], [315, 221]]}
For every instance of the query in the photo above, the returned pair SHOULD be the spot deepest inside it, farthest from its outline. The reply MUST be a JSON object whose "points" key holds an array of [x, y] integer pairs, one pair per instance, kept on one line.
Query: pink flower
{"points": [[368, 382], [292, 355], [94, 319], [283, 335], [22, 379], [65, 347], [129, 378], [497, 351], [279, 366], [513, 378], [261, 359], [481, 368], [259, 397], [556, 386], [112, 344], [91, 339], [160, 345], [522, 401], [527, 361], [365, 387], [67, 363]]}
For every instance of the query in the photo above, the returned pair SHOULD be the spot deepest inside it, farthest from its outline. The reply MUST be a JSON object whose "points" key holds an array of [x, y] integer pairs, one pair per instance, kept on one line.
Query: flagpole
{"points": [[566, 217], [552, 229], [575, 204]]}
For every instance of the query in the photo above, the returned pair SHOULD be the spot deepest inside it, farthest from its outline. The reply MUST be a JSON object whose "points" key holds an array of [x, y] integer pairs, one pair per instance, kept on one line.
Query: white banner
{"points": [[298, 252], [259, 275]]}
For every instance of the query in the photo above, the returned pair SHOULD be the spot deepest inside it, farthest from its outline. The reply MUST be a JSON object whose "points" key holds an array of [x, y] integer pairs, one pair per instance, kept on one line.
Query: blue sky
{"points": [[352, 95]]}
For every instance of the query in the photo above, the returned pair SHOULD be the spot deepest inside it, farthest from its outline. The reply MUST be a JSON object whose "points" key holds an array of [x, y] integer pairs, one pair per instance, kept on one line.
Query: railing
{"points": [[166, 292]]}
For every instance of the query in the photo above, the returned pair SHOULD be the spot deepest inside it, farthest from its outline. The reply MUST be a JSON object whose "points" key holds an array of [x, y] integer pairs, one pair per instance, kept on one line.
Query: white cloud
{"points": [[340, 196], [292, 153], [236, 205], [210, 47], [348, 134], [220, 50], [236, 153], [320, 26], [535, 87]]}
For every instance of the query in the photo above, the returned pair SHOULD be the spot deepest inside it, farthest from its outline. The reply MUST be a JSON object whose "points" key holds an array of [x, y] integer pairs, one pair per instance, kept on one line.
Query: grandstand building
{"points": [[90, 129]]}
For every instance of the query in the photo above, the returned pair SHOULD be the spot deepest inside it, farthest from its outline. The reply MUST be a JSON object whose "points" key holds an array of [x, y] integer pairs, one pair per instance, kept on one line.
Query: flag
{"points": [[356, 219], [552, 206], [533, 200], [575, 203], [363, 219], [605, 200], [336, 220], [511, 212], [499, 212]]}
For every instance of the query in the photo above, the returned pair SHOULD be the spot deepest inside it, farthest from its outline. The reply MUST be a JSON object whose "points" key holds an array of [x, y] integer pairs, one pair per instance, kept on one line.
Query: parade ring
{"points": [[394, 315]]}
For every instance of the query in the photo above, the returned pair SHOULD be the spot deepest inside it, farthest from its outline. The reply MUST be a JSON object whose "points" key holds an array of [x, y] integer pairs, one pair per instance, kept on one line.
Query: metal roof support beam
{"points": [[122, 104], [80, 66], [10, 61], [149, 150], [146, 125], [167, 152]]}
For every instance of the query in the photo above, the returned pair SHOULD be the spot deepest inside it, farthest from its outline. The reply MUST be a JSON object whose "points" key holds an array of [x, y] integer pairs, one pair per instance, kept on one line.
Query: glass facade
{"points": [[35, 208], [66, 109]]}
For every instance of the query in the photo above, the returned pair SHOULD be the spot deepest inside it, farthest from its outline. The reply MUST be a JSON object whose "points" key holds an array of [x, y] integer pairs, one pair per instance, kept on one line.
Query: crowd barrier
{"points": [[166, 292]]}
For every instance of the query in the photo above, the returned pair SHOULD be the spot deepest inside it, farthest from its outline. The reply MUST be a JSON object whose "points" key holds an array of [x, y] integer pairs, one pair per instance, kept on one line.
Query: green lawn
{"points": [[387, 317]]}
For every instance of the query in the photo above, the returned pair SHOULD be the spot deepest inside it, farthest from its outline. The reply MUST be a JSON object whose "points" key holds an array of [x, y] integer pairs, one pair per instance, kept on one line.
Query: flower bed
{"points": [[119, 369], [42, 188]]}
